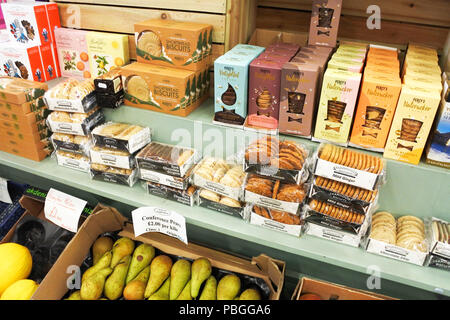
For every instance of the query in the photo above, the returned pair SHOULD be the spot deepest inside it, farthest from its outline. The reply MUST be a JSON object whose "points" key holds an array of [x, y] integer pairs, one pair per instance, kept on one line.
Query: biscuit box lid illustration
{"points": [[27, 23], [324, 25], [18, 91], [20, 62]]}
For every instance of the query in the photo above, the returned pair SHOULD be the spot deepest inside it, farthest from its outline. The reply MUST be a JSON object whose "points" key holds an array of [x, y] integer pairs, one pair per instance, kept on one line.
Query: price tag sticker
{"points": [[4, 193], [63, 210], [152, 219]]}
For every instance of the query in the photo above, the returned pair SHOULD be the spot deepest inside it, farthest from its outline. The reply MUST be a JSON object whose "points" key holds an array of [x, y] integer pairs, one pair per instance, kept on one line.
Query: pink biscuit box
{"points": [[72, 52], [2, 20], [264, 93]]}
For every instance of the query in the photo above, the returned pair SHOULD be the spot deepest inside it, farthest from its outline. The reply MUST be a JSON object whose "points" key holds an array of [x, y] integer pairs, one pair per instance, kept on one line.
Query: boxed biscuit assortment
{"points": [[439, 231], [324, 25], [223, 204], [72, 160], [184, 196], [71, 143], [276, 220], [80, 124], [72, 95]]}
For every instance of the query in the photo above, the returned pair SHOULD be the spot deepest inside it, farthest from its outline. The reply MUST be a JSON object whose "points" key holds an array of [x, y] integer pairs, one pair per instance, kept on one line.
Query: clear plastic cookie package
{"points": [[72, 160], [125, 177], [80, 124], [121, 136], [439, 237], [285, 160], [186, 197], [71, 143], [220, 176], [214, 201], [158, 177], [112, 157], [276, 220], [72, 96]]}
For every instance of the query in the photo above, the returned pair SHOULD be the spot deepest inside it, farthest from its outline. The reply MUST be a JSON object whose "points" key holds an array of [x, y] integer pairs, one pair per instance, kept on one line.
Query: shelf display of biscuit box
{"points": [[72, 143], [186, 196], [109, 89], [112, 157], [80, 124], [72, 96], [276, 220], [72, 160], [439, 234], [127, 177], [223, 204], [261, 271]]}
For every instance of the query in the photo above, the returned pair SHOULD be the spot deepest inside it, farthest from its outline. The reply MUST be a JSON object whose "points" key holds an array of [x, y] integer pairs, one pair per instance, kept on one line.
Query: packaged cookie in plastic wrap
{"points": [[72, 96], [348, 166], [159, 177], [214, 201], [186, 197], [220, 176], [276, 220], [274, 194], [109, 89], [121, 136], [71, 143], [170, 159], [403, 238], [80, 124], [72, 160], [439, 237], [284, 160], [112, 157], [101, 172], [436, 261]]}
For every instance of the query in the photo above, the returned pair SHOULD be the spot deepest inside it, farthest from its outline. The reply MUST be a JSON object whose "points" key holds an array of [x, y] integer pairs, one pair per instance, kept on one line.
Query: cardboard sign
{"points": [[152, 219], [63, 210], [4, 194]]}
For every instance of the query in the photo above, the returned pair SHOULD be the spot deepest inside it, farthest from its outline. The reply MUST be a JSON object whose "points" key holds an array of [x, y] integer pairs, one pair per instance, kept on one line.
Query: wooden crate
{"points": [[233, 20]]}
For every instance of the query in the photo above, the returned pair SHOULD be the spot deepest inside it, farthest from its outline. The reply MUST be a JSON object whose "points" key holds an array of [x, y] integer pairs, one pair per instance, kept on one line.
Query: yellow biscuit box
{"points": [[412, 123], [106, 51], [169, 43]]}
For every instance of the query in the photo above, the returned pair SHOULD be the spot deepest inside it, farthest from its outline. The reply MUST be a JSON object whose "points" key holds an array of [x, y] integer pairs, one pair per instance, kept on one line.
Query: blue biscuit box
{"points": [[231, 84]]}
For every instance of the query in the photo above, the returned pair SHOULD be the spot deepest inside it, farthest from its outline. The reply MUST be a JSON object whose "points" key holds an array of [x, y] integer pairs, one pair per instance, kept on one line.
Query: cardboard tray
{"points": [[107, 219]]}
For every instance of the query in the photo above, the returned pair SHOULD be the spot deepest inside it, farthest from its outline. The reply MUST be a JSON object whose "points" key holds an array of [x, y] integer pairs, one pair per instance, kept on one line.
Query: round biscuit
{"points": [[313, 204], [325, 152], [353, 192], [383, 213], [341, 187], [383, 223], [411, 224], [343, 157], [333, 211], [406, 218], [345, 215], [410, 231]]}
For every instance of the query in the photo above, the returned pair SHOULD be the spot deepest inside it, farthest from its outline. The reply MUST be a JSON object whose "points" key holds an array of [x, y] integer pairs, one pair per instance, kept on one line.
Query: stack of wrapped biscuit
{"points": [[75, 114], [166, 171], [343, 194], [275, 183], [417, 105], [22, 118], [113, 154]]}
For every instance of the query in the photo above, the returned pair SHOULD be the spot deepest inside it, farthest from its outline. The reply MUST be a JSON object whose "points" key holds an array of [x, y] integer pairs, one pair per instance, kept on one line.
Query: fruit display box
{"points": [[107, 219]]}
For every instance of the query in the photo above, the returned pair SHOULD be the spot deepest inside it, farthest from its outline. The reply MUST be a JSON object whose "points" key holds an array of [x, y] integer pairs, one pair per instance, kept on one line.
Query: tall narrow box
{"points": [[324, 22]]}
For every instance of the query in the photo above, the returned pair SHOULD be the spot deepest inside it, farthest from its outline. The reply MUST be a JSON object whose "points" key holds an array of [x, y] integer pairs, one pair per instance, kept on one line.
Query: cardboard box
{"points": [[27, 107], [107, 219], [32, 154], [169, 43], [24, 128], [24, 119], [18, 136], [324, 25], [331, 291]]}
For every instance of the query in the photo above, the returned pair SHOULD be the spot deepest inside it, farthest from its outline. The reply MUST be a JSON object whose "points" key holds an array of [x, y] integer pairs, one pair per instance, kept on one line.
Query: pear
{"points": [[116, 282], [179, 277], [142, 256], [92, 288], [186, 293], [163, 292], [100, 247], [159, 272], [121, 248], [209, 291], [104, 262], [135, 289], [201, 270], [250, 294], [228, 287], [74, 296]]}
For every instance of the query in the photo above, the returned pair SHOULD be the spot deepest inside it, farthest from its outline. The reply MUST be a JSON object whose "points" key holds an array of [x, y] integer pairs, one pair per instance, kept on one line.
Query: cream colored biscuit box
{"points": [[337, 105], [412, 123]]}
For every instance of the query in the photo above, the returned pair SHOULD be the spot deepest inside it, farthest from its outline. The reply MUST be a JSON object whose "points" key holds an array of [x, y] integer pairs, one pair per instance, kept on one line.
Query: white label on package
{"points": [[152, 219], [395, 252], [334, 235], [110, 159], [81, 165], [234, 193], [64, 105], [4, 193], [63, 210], [258, 220], [259, 200], [161, 178], [355, 177], [139, 140]]}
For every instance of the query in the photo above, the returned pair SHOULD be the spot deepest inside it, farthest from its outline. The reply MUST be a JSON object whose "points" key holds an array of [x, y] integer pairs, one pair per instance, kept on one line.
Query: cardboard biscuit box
{"points": [[106, 219], [324, 25], [19, 91]]}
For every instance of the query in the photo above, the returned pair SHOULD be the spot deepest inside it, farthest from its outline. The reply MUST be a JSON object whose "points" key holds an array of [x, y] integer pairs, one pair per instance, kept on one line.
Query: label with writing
{"points": [[152, 219], [63, 210], [4, 194]]}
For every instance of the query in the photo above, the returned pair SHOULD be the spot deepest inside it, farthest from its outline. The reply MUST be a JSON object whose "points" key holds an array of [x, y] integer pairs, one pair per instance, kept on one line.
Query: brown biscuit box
{"points": [[162, 89], [169, 43], [299, 82], [19, 91], [324, 22], [27, 107]]}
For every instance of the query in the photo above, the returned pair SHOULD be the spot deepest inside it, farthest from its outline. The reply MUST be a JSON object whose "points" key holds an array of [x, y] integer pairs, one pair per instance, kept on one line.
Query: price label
{"points": [[4, 193], [152, 219], [63, 210]]}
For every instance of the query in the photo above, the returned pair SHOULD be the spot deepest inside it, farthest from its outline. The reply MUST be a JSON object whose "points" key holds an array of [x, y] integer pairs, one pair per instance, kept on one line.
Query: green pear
{"points": [[142, 256], [209, 291], [92, 288], [159, 272], [116, 282], [250, 294], [104, 262], [74, 296], [228, 287], [163, 292], [179, 276], [186, 293], [201, 270], [135, 289], [100, 247], [122, 247]]}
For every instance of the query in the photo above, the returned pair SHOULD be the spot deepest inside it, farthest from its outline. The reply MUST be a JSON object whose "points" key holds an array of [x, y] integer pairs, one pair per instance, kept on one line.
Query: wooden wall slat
{"points": [[355, 28], [117, 19], [213, 6], [428, 12]]}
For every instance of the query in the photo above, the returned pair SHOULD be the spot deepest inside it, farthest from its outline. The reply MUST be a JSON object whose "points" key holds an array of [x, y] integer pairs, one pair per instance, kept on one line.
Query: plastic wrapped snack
{"points": [[72, 160], [186, 197], [72, 96], [276, 220], [71, 143], [439, 237], [112, 157], [279, 216], [112, 174], [75, 123], [223, 204], [121, 136], [337, 213], [285, 160]]}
